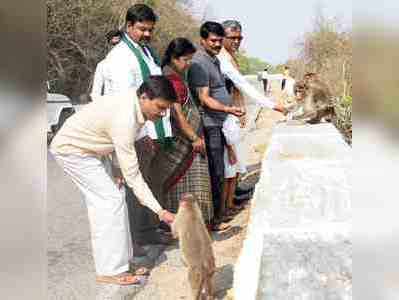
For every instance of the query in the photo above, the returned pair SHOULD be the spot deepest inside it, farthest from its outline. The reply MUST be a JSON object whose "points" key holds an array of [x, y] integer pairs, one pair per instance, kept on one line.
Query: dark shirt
{"points": [[205, 72]]}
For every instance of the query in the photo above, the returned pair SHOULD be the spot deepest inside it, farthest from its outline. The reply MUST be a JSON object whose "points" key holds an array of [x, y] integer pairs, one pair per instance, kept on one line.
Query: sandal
{"points": [[122, 279], [218, 227]]}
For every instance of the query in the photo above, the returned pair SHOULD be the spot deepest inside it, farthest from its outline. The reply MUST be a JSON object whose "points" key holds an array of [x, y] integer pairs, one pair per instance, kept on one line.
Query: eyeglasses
{"points": [[236, 38]]}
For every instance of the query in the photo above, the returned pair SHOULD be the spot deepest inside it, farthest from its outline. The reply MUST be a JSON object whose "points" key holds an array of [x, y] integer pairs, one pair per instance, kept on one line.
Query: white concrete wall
{"points": [[298, 242]]}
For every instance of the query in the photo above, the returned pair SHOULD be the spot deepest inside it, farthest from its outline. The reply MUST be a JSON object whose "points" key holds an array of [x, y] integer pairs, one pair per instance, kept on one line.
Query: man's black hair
{"points": [[158, 86], [140, 13], [211, 27], [112, 33]]}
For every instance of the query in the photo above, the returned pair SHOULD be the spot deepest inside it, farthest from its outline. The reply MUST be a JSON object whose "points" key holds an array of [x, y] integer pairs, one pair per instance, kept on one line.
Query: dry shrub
{"points": [[327, 51]]}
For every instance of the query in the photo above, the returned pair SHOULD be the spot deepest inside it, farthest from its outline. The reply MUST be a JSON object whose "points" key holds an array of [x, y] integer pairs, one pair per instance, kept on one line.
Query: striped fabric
{"points": [[195, 181]]}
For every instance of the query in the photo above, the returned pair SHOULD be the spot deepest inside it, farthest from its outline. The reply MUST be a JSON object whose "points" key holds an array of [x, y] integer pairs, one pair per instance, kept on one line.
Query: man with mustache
{"points": [[237, 85], [127, 65], [112, 123], [209, 91]]}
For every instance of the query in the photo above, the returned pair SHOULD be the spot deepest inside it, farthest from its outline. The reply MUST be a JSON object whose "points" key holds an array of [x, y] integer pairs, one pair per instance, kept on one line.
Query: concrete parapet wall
{"points": [[298, 243]]}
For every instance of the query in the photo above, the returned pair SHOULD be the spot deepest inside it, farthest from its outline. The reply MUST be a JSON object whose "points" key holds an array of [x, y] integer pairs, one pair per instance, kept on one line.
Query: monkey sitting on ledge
{"points": [[313, 102], [196, 246]]}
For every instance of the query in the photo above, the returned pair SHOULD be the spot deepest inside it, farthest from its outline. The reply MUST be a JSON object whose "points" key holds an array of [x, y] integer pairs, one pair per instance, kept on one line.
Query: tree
{"points": [[76, 36], [250, 65]]}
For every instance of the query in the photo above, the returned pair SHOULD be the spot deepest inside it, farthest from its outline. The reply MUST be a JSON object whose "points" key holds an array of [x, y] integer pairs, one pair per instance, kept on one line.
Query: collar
{"points": [[135, 44], [203, 52]]}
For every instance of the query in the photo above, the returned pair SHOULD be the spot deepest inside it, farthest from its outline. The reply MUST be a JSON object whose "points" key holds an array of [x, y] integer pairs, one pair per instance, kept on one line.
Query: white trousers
{"points": [[109, 225]]}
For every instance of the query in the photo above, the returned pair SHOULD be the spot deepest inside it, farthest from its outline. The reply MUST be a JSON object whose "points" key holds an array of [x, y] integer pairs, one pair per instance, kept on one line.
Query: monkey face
{"points": [[300, 91], [187, 200]]}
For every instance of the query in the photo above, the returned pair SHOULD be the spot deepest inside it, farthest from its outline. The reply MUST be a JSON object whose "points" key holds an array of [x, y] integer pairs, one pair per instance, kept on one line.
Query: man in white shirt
{"points": [[98, 87], [264, 77], [126, 66], [112, 123], [237, 84], [287, 83], [230, 68]]}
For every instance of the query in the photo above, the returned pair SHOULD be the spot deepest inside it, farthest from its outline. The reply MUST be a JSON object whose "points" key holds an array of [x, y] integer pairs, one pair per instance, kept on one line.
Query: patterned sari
{"points": [[191, 173], [171, 173]]}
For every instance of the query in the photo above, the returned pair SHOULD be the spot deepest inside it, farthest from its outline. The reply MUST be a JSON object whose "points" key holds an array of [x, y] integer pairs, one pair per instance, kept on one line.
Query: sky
{"points": [[272, 28]]}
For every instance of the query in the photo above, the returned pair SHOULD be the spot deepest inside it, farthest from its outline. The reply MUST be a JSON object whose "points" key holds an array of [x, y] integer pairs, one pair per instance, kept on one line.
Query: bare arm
{"points": [[198, 143], [183, 123]]}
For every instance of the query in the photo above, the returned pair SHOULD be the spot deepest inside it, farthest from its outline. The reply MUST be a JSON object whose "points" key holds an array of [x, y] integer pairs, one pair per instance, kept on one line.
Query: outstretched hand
{"points": [[280, 108]]}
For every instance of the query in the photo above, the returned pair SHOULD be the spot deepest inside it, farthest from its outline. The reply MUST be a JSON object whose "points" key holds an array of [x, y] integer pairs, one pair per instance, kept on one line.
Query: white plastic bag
{"points": [[231, 129]]}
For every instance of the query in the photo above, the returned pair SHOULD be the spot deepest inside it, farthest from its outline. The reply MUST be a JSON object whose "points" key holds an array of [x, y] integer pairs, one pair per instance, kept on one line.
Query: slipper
{"points": [[218, 227], [142, 271], [122, 279], [226, 219], [237, 208], [222, 227]]}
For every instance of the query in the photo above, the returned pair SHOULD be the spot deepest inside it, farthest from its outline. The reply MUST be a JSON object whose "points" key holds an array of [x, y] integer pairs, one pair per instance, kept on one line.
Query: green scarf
{"points": [[165, 142]]}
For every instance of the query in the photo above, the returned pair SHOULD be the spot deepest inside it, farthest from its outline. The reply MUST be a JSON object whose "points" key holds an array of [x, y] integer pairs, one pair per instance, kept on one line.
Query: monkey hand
{"points": [[166, 216]]}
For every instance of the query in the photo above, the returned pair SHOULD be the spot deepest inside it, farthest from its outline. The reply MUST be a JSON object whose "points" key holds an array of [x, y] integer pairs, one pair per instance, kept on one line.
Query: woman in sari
{"points": [[188, 159]]}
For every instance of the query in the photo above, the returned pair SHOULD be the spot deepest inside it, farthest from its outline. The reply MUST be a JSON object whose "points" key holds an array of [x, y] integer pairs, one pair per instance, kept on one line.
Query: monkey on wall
{"points": [[313, 102], [196, 246]]}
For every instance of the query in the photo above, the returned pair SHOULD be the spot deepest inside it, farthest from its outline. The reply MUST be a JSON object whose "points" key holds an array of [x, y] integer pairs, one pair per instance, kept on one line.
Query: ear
{"points": [[143, 97]]}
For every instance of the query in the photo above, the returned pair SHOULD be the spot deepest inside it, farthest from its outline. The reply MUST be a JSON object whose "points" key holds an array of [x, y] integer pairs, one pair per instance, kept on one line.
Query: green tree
{"points": [[250, 65]]}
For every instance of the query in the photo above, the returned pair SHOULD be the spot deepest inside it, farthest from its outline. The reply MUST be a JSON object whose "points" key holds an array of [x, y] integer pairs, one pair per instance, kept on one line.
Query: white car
{"points": [[59, 108]]}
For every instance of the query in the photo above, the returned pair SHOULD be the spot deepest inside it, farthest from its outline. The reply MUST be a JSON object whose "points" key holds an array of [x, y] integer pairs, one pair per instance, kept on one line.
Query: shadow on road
{"points": [[227, 234]]}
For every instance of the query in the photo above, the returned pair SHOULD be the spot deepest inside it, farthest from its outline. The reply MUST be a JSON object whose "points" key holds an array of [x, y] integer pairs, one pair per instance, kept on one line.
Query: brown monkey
{"points": [[196, 246], [315, 101]]}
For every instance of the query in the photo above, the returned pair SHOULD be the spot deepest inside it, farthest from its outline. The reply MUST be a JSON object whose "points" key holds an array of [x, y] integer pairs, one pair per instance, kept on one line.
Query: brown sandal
{"points": [[122, 279]]}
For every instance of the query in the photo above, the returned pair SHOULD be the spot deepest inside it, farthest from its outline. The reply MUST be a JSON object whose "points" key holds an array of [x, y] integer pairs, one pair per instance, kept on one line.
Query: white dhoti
{"points": [[107, 211]]}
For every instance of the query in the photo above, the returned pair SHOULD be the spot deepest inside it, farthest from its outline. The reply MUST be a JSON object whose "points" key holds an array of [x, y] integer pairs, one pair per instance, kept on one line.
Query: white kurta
{"points": [[122, 71], [241, 82], [98, 81]]}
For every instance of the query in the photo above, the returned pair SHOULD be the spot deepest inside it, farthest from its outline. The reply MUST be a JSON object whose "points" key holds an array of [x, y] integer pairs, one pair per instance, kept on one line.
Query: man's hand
{"points": [[235, 110], [166, 216], [280, 108]]}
